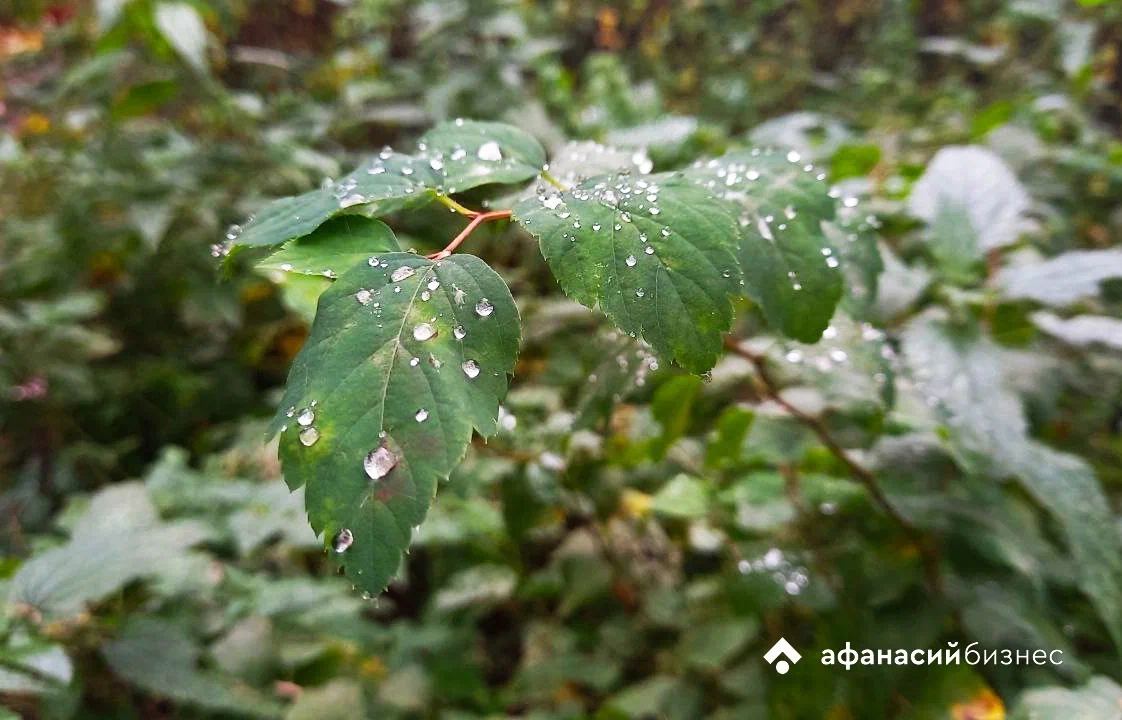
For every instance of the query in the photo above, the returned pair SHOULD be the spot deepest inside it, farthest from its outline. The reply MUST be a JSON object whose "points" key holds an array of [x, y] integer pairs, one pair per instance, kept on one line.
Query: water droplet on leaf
{"points": [[342, 540], [379, 462]]}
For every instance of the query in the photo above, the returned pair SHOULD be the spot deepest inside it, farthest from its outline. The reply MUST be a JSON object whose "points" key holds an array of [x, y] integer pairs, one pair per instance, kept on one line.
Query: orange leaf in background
{"points": [[35, 124], [986, 705], [14, 41], [607, 34]]}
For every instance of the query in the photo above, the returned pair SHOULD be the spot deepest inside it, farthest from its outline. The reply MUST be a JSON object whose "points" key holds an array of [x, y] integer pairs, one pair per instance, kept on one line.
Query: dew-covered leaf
{"points": [[580, 160], [470, 153], [851, 365], [405, 358], [971, 201], [790, 265], [1062, 280], [383, 184], [653, 253], [334, 247], [855, 239]]}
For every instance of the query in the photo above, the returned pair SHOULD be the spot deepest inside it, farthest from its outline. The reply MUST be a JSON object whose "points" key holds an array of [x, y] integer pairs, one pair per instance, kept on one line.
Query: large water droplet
{"points": [[379, 462], [630, 261], [423, 332], [421, 415], [363, 297], [308, 436], [471, 369], [342, 540], [459, 332], [401, 273], [483, 308], [490, 151]]}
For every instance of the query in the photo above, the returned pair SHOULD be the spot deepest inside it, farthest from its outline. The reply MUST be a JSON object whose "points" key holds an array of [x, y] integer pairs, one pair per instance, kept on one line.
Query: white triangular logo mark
{"points": [[782, 648]]}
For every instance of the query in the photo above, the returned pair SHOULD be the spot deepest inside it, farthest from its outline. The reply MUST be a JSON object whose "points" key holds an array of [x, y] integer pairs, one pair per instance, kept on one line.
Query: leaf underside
{"points": [[370, 378]]}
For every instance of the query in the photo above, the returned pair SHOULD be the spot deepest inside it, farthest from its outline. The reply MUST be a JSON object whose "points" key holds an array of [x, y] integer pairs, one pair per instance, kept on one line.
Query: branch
{"points": [[862, 475]]}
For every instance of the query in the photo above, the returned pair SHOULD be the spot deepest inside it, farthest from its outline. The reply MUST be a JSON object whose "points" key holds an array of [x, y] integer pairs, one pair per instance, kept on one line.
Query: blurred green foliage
{"points": [[633, 540]]}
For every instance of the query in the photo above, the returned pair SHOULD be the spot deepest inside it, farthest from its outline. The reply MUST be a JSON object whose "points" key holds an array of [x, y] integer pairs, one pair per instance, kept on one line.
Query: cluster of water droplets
{"points": [[792, 577], [305, 419], [581, 160]]}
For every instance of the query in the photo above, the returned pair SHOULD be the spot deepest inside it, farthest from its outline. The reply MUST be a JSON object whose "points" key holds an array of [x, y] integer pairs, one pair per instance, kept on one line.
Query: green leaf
{"points": [[386, 183], [185, 31], [403, 360], [654, 254], [162, 659], [988, 432], [1082, 330], [854, 161], [1100, 699], [972, 201], [453, 157], [790, 267], [682, 497], [479, 153], [671, 407], [1062, 280], [712, 645], [118, 540], [334, 247], [339, 699]]}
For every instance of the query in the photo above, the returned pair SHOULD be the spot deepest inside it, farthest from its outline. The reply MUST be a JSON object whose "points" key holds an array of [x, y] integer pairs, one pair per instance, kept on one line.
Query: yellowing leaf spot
{"points": [[986, 705]]}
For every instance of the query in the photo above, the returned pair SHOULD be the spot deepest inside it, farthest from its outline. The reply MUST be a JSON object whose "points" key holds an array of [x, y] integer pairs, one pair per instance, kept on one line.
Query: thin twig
{"points": [[863, 476], [476, 221]]}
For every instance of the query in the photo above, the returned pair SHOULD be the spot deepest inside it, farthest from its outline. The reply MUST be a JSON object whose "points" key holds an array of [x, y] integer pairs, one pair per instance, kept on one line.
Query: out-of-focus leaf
{"points": [[988, 431], [1062, 280], [1082, 331], [711, 646], [682, 497], [972, 203], [161, 658], [340, 699], [118, 541], [1100, 699], [183, 27], [671, 407]]}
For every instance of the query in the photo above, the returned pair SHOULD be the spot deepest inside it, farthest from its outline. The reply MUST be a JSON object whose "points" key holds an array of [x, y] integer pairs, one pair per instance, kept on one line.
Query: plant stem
{"points": [[449, 202], [771, 390], [476, 220], [553, 181]]}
